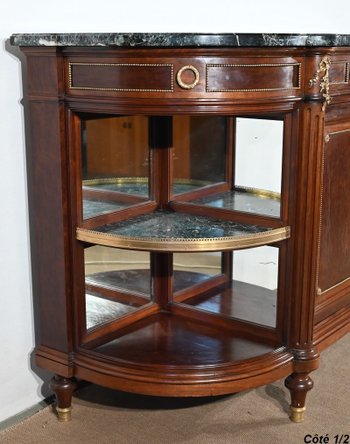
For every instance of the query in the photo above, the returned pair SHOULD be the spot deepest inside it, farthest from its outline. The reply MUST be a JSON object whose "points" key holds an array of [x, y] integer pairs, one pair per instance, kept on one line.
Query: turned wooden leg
{"points": [[298, 384], [63, 389]]}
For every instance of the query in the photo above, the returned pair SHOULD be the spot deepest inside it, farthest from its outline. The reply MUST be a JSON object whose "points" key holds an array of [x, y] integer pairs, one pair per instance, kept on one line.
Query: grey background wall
{"points": [[20, 385]]}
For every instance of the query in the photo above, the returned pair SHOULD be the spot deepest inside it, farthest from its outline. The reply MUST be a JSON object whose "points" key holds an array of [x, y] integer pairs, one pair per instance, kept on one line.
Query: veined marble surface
{"points": [[179, 40], [168, 225]]}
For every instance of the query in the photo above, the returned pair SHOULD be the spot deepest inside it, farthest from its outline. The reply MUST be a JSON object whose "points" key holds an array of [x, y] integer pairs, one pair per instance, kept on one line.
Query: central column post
{"points": [[161, 147], [161, 190]]}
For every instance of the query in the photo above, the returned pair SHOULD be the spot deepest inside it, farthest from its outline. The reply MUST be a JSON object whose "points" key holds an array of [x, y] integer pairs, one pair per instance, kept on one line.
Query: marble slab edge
{"points": [[180, 40]]}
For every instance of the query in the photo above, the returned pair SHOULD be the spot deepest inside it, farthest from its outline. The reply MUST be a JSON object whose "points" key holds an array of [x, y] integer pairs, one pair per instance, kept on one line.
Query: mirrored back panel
{"points": [[250, 290], [117, 282], [199, 157], [223, 162], [258, 181], [242, 156], [115, 163]]}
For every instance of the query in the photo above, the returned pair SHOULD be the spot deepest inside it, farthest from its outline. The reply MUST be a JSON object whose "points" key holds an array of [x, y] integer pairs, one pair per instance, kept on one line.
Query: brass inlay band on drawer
{"points": [[258, 65], [170, 88]]}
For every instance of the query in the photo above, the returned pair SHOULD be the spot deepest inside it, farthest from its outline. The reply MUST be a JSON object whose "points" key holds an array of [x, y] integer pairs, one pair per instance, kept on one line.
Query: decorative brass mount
{"points": [[324, 80], [194, 71]]}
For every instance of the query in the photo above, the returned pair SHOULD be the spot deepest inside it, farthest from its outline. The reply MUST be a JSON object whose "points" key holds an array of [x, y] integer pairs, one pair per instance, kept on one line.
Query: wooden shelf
{"points": [[167, 340], [175, 231], [167, 354]]}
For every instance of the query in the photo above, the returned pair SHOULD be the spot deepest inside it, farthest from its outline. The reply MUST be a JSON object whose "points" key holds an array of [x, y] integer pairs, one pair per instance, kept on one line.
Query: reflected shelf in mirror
{"points": [[100, 310], [250, 200], [112, 294], [240, 300], [139, 281]]}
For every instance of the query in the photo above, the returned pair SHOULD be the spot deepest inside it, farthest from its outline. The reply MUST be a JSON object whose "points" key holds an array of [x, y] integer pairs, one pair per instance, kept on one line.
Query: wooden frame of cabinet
{"points": [[292, 84]]}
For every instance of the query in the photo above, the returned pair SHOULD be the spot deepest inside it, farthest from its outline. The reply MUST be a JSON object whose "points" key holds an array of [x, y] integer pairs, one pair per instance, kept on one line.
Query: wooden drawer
{"points": [[253, 77], [179, 77], [122, 77]]}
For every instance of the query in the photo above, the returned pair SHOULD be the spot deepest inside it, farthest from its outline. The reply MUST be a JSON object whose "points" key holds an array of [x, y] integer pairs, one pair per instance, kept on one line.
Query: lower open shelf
{"points": [[171, 355], [165, 339]]}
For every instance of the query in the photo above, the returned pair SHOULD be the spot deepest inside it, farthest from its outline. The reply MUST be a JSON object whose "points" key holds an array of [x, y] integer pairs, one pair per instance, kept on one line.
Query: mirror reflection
{"points": [[115, 163], [199, 152], [117, 282], [258, 182], [250, 293]]}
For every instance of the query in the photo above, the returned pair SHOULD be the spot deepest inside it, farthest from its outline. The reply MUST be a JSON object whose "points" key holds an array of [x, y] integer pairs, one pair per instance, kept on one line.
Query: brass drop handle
{"points": [[182, 83]]}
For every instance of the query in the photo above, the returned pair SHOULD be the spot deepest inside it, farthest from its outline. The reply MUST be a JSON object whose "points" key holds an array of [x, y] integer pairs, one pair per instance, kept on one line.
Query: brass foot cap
{"points": [[64, 415], [297, 414]]}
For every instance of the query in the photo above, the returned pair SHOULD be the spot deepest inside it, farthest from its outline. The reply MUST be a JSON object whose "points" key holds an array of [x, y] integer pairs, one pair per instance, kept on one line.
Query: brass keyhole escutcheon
{"points": [[182, 82]]}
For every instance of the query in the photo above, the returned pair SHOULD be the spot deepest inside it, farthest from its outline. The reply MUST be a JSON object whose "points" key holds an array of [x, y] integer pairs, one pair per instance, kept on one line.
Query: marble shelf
{"points": [[176, 231]]}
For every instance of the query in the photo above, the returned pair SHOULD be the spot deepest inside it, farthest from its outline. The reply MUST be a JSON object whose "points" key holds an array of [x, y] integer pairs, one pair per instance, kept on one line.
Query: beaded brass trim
{"points": [[182, 244], [218, 65], [70, 77], [319, 289]]}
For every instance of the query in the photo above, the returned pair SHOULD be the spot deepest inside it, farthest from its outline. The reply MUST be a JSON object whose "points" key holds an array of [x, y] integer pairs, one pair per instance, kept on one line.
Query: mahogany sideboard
{"points": [[139, 214]]}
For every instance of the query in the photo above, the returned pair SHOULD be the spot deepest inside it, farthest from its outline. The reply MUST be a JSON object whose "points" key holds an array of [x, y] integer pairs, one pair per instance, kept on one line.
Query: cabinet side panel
{"points": [[334, 265], [47, 192], [49, 226]]}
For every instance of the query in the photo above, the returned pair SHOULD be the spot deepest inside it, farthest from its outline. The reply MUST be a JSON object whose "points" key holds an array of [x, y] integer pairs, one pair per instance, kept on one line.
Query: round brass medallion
{"points": [[183, 84]]}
